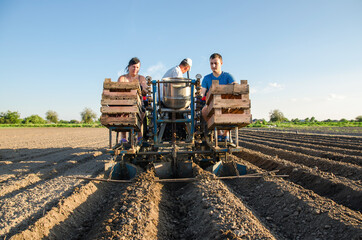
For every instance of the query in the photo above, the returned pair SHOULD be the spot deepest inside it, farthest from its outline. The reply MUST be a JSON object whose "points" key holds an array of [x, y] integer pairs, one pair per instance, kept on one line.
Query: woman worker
{"points": [[132, 76]]}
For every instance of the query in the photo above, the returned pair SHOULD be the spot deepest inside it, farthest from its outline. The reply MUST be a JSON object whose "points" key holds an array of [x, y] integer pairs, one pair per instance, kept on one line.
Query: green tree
{"points": [[34, 119], [73, 121], [276, 116], [88, 116], [295, 120], [359, 118], [312, 119], [51, 116], [10, 117]]}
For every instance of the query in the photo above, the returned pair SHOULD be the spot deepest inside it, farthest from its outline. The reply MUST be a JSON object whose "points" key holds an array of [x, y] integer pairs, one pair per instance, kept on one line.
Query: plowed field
{"points": [[320, 199]]}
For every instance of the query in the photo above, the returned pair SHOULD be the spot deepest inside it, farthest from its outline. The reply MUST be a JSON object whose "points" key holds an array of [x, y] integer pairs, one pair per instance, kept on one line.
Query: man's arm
{"points": [[204, 86], [203, 91]]}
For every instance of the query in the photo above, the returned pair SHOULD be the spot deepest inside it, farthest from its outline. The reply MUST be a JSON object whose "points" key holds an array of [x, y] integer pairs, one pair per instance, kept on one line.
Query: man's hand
{"points": [[203, 101], [144, 92]]}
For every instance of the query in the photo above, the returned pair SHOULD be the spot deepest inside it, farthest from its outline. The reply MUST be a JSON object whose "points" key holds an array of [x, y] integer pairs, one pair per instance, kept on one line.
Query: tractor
{"points": [[174, 134]]}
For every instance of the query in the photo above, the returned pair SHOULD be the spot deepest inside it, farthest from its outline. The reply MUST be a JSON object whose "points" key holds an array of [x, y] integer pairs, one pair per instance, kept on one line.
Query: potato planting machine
{"points": [[175, 136]]}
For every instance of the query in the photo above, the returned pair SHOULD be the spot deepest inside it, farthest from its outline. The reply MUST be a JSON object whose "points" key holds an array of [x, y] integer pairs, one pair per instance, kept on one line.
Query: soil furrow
{"points": [[351, 171], [28, 206], [296, 213], [26, 153], [327, 149], [45, 141], [202, 210], [319, 200], [40, 164], [13, 186], [75, 215], [342, 191], [17, 138], [315, 130], [315, 139], [327, 137], [305, 150], [133, 215]]}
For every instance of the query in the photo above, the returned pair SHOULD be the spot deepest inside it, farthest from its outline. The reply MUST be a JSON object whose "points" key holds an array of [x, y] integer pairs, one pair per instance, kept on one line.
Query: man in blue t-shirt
{"points": [[223, 77]]}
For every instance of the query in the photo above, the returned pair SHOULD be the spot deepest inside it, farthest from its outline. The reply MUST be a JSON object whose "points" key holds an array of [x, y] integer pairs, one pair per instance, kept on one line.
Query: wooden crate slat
{"points": [[122, 109], [121, 119], [225, 97], [210, 97], [121, 85], [118, 102], [218, 102], [113, 94], [230, 120], [132, 120], [235, 89]]}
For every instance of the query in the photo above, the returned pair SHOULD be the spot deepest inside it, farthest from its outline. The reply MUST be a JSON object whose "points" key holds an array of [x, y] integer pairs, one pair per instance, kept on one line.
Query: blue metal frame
{"points": [[155, 117], [154, 90], [193, 82]]}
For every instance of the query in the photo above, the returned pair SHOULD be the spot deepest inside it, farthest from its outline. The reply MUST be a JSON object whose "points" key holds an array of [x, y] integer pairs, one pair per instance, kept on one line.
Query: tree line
{"points": [[9, 117], [277, 116], [88, 116]]}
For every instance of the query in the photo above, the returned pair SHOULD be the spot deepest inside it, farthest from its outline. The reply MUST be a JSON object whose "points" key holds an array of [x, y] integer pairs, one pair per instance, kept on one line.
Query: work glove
{"points": [[203, 101]]}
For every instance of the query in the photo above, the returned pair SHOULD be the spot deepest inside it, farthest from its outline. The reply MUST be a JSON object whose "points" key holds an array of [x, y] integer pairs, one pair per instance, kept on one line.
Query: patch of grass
{"points": [[306, 124]]}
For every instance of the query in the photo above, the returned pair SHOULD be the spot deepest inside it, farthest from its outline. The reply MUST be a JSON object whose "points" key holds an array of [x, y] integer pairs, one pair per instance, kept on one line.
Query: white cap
{"points": [[189, 61]]}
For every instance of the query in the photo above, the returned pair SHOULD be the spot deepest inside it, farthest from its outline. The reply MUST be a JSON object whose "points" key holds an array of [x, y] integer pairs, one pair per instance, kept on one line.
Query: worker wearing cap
{"points": [[223, 77], [177, 71]]}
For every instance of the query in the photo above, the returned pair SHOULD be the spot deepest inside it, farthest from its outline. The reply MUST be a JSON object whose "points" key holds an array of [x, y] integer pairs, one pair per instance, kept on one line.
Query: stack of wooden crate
{"points": [[228, 106], [121, 105]]}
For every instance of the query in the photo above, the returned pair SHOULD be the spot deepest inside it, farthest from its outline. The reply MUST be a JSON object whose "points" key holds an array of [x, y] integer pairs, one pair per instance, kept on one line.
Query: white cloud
{"points": [[156, 71], [301, 100], [272, 87], [335, 97], [276, 86], [307, 99]]}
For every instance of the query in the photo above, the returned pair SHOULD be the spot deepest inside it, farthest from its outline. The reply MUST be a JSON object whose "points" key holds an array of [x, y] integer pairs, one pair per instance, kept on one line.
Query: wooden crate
{"points": [[121, 105], [122, 122], [228, 106]]}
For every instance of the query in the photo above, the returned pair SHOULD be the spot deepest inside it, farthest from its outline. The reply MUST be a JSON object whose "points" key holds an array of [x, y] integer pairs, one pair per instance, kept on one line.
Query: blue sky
{"points": [[301, 57]]}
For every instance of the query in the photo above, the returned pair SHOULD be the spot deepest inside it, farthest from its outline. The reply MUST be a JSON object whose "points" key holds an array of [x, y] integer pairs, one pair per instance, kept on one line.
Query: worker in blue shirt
{"points": [[223, 77]]}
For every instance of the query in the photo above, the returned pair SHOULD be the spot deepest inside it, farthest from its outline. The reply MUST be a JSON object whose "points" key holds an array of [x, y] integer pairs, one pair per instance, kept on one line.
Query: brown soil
{"points": [[41, 199]]}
